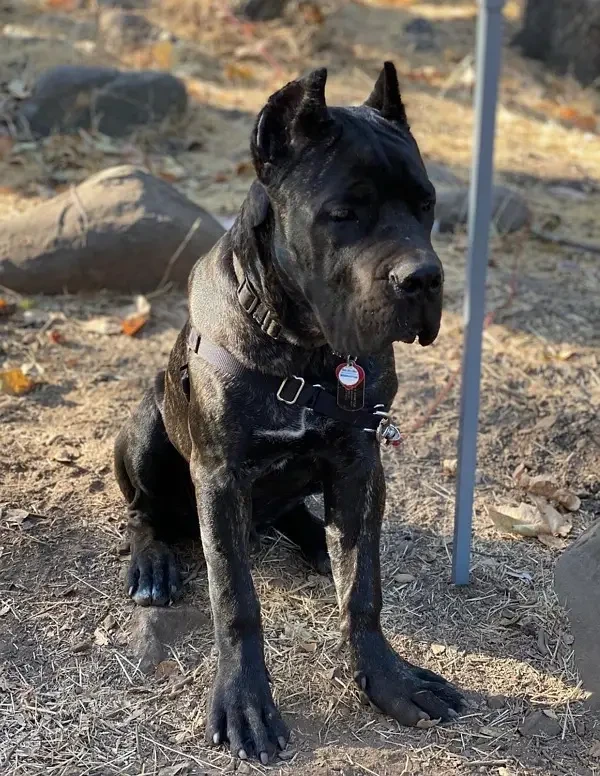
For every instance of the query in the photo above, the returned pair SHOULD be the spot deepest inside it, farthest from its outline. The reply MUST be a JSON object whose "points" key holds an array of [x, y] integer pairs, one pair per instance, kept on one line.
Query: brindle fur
{"points": [[335, 237]]}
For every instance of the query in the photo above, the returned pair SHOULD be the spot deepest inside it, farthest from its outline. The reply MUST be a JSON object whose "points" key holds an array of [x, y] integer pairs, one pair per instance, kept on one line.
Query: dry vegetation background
{"points": [[72, 699]]}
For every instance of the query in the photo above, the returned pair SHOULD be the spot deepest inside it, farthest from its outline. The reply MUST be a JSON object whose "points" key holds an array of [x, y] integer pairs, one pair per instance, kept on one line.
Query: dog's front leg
{"points": [[241, 708], [354, 504]]}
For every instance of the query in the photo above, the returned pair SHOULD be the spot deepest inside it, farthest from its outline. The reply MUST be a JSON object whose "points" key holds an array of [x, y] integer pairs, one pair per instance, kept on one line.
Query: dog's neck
{"points": [[256, 265]]}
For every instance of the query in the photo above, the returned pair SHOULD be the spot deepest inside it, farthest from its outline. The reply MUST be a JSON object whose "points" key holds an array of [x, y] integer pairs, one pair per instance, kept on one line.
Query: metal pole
{"points": [[489, 46]]}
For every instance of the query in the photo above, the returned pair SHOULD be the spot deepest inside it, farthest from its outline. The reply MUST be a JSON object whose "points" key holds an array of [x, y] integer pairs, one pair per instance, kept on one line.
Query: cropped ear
{"points": [[385, 96], [293, 116]]}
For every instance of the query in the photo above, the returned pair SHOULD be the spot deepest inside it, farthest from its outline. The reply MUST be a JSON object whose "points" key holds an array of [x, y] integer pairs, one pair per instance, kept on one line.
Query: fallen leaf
{"points": [[101, 638], [5, 610], [308, 646], [162, 54], [55, 337], [595, 748], [425, 724], [137, 317], [545, 486], [554, 542], [450, 467], [244, 168], [404, 579], [311, 13], [22, 518], [556, 523], [567, 499], [7, 308], [174, 770], [15, 382], [102, 325], [532, 521], [584, 121], [130, 326], [546, 422], [523, 520], [235, 71]]}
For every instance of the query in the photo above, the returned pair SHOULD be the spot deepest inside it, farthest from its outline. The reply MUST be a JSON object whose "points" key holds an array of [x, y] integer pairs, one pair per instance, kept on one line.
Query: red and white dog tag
{"points": [[350, 385]]}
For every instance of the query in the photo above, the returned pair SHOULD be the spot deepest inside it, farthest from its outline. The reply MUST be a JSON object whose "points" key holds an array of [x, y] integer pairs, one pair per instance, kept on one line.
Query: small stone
{"points": [[496, 702], [244, 767], [438, 649], [538, 724], [81, 646]]}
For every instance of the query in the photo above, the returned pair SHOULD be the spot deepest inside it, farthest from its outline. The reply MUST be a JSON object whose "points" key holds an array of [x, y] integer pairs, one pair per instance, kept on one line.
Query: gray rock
{"points": [[421, 33], [116, 230], [154, 629], [70, 97], [121, 30], [260, 10], [577, 584], [538, 724], [126, 5], [441, 176], [510, 211]]}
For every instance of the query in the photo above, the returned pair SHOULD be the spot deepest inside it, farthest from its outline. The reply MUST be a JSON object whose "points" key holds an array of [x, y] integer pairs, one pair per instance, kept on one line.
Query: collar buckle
{"points": [[284, 382]]}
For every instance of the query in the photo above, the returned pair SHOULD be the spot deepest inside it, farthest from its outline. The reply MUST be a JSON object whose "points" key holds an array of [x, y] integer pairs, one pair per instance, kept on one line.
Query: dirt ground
{"points": [[72, 699]]}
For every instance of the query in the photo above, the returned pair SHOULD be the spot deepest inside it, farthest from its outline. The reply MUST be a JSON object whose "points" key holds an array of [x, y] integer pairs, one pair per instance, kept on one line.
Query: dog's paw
{"points": [[153, 578], [404, 691], [243, 714]]}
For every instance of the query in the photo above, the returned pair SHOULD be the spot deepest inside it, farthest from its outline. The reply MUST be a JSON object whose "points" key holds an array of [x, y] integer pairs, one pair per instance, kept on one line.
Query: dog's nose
{"points": [[410, 280]]}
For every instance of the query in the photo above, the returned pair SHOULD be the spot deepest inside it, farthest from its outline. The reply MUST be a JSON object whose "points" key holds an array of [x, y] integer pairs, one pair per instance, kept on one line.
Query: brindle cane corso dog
{"points": [[277, 389]]}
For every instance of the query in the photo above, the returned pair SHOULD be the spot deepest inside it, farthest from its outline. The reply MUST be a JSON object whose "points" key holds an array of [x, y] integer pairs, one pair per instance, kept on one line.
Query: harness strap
{"points": [[293, 391]]}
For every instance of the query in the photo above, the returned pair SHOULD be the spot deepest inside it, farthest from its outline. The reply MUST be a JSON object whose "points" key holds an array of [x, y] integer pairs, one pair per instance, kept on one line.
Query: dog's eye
{"points": [[428, 205], [342, 214]]}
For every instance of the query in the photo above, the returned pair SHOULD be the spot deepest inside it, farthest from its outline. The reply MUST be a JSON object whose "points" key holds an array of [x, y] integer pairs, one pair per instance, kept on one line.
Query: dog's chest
{"points": [[289, 434]]}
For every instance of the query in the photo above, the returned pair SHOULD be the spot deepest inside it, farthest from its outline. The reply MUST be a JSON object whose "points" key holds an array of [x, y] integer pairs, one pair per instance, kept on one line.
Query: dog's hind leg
{"points": [[156, 484], [305, 529]]}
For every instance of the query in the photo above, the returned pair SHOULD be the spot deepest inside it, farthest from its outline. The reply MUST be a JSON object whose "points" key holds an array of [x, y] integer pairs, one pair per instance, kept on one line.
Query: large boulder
{"points": [[71, 97], [119, 229], [577, 583], [510, 211]]}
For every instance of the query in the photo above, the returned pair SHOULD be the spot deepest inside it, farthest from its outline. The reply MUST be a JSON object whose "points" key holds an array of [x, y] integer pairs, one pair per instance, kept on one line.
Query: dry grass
{"points": [[68, 709]]}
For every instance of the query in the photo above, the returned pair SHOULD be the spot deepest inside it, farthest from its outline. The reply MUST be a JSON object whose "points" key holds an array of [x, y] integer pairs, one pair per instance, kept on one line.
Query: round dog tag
{"points": [[350, 375], [350, 386]]}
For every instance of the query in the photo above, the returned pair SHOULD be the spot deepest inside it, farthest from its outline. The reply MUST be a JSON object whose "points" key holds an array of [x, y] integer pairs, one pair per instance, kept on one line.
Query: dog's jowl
{"points": [[277, 389]]}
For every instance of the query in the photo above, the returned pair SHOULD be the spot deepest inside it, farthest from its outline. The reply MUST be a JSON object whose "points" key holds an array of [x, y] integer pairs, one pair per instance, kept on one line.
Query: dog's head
{"points": [[352, 213]]}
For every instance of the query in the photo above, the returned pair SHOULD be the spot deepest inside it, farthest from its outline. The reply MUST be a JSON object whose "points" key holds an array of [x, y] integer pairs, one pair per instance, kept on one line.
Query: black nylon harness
{"points": [[293, 390]]}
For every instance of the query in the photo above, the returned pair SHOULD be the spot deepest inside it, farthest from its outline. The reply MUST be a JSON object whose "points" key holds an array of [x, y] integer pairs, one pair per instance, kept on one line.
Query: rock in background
{"points": [[116, 230], [70, 97], [577, 583]]}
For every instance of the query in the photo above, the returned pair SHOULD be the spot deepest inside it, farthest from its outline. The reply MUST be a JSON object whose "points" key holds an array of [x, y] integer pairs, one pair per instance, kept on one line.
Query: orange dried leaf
{"points": [[237, 72], [162, 54], [583, 121], [63, 5], [133, 323], [55, 337], [6, 308], [15, 383]]}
